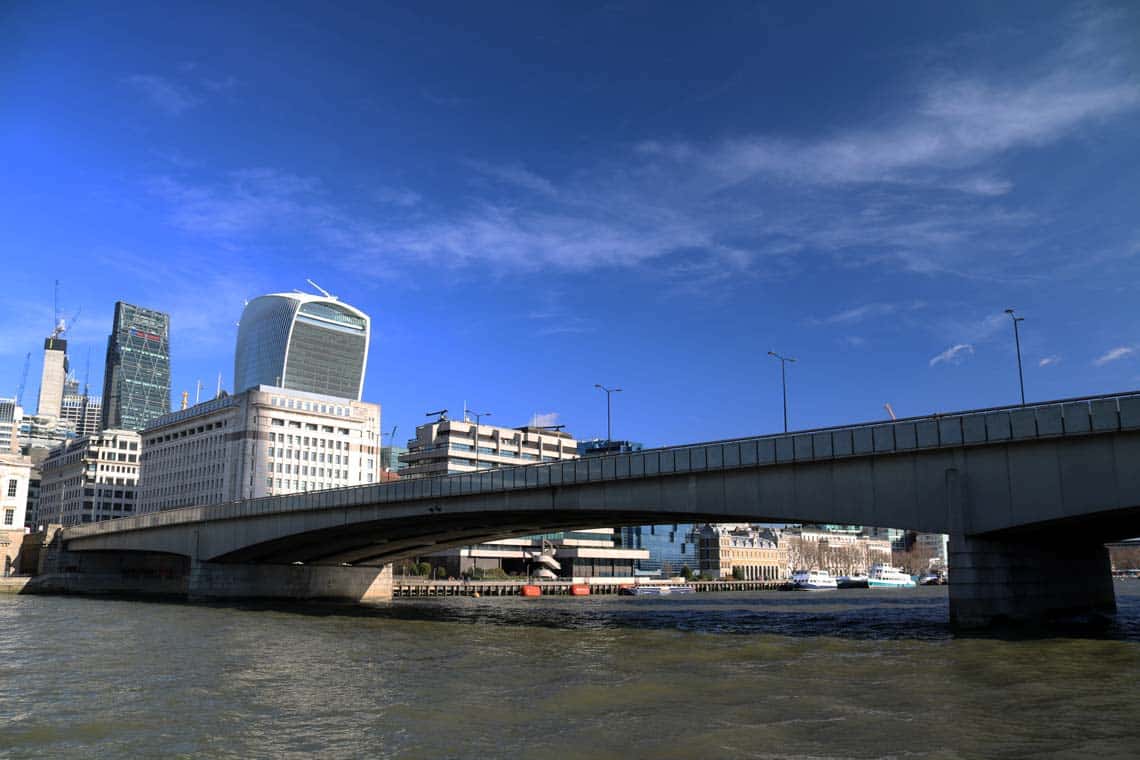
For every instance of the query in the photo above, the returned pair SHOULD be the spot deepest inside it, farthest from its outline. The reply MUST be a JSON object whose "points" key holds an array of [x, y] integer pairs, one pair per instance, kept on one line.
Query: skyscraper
{"points": [[302, 342], [136, 379]]}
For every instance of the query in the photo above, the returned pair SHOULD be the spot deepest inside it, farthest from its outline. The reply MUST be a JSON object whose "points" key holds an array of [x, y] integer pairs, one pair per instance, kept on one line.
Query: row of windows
{"points": [[311, 406], [322, 443], [304, 454]]}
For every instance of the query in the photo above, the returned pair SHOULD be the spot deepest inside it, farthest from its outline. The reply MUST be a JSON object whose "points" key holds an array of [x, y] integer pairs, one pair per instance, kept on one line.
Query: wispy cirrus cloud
{"points": [[953, 355], [1049, 361], [917, 190], [1113, 355], [866, 311], [171, 97]]}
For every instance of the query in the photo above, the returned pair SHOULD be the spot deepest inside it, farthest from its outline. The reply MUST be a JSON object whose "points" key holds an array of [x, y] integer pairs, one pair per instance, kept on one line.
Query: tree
{"points": [[686, 572], [738, 573]]}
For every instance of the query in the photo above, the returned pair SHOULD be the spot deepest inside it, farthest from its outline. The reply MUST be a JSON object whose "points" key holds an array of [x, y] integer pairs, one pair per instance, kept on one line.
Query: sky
{"points": [[532, 198]]}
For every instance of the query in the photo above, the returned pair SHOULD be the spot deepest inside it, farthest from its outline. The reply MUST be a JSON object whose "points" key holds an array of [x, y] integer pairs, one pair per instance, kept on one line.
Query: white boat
{"points": [[813, 580], [885, 576]]}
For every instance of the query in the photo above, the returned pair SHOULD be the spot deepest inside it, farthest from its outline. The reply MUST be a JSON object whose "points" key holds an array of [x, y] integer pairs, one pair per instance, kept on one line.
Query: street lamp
{"points": [[1017, 342], [783, 382], [609, 416]]}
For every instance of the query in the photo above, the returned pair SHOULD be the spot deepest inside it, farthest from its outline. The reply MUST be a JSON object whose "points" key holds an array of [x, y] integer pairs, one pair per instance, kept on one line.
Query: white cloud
{"points": [[953, 355], [1049, 361], [1117, 353], [860, 313], [167, 95], [916, 189]]}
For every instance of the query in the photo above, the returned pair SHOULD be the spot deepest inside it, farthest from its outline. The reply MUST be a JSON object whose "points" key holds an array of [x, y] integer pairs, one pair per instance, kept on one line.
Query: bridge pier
{"points": [[213, 580], [1028, 581]]}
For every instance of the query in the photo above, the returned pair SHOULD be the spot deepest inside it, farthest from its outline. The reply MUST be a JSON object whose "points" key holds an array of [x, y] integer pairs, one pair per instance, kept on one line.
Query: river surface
{"points": [[865, 674]]}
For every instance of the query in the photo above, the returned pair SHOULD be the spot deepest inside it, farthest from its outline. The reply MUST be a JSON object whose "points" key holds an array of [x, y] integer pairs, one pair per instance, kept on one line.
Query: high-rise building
{"points": [[302, 342], [53, 377], [136, 377], [90, 479], [264, 441], [83, 410]]}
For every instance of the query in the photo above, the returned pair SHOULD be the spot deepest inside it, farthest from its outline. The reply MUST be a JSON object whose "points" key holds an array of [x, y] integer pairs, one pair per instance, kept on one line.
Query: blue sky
{"points": [[531, 198]]}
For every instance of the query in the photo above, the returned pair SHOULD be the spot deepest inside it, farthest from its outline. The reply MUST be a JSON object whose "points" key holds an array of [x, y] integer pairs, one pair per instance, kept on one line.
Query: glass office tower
{"points": [[302, 342], [136, 378]]}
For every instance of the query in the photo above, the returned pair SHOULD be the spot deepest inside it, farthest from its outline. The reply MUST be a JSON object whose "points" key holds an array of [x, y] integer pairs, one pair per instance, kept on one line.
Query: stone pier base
{"points": [[210, 580], [998, 581]]}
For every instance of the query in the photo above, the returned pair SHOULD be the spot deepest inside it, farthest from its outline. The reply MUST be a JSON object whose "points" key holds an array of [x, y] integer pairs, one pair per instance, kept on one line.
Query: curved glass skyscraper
{"points": [[303, 342]]}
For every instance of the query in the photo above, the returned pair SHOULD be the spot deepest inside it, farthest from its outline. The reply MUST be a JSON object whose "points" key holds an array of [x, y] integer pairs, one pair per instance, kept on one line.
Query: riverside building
{"points": [[264, 441], [14, 475], [447, 447], [741, 552], [136, 376], [302, 342], [90, 479]]}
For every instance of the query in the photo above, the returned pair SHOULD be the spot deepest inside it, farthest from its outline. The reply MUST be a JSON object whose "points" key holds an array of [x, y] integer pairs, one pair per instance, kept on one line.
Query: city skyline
{"points": [[659, 220]]}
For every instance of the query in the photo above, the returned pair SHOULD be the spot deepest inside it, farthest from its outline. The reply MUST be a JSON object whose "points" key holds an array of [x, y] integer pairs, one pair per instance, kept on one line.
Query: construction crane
{"points": [[60, 324], [23, 380]]}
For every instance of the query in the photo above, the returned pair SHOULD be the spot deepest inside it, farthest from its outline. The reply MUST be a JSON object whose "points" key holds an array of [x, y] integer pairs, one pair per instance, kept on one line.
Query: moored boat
{"points": [[813, 580], [885, 576]]}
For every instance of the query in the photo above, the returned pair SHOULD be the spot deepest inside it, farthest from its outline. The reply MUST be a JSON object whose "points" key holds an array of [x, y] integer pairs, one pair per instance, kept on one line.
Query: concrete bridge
{"points": [[1029, 495]]}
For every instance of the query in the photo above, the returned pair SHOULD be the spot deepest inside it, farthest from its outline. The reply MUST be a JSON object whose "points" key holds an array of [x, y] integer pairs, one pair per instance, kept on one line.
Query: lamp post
{"points": [[1017, 342], [609, 416], [783, 382]]}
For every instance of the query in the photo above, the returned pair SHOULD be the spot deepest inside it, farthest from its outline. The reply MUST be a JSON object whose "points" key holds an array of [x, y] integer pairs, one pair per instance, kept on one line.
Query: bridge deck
{"points": [[1055, 419]]}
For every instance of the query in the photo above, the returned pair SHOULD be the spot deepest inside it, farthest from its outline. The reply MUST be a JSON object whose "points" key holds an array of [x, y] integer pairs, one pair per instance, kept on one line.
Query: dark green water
{"points": [[767, 675]]}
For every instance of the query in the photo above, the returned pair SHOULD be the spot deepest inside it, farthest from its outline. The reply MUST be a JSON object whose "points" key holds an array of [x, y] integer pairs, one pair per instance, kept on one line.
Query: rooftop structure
{"points": [[449, 446]]}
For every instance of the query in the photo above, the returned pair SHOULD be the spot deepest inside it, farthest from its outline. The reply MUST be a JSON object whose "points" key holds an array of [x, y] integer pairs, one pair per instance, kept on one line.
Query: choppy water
{"points": [[767, 675]]}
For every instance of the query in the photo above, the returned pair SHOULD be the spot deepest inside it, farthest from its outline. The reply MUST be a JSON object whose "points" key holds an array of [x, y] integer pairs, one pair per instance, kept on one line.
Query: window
{"points": [[9, 516], [12, 484]]}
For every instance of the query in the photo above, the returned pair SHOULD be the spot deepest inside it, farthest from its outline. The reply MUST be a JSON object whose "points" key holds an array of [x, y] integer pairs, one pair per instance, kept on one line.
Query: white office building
{"points": [[265, 441], [447, 447], [11, 415], [90, 479]]}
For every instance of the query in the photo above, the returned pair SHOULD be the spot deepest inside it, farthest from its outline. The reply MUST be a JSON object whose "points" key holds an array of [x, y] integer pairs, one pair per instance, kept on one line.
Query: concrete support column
{"points": [[212, 580], [1027, 581]]}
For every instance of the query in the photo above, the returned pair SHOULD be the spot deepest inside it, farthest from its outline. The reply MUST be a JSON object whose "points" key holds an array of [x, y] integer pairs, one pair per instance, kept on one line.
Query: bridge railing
{"points": [[1091, 415]]}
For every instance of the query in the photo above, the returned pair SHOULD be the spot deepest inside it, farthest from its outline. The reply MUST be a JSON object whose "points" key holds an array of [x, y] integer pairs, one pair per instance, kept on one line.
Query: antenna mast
{"points": [[324, 292]]}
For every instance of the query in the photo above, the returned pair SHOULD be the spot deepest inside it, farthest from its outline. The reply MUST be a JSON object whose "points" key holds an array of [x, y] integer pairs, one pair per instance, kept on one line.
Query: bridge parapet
{"points": [[1002, 425]]}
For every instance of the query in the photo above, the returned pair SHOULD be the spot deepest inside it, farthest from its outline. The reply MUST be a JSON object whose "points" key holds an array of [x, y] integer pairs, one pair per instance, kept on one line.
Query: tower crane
{"points": [[23, 380]]}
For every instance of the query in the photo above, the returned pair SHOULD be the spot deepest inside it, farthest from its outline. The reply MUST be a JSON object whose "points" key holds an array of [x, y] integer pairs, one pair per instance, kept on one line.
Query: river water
{"points": [[866, 674]]}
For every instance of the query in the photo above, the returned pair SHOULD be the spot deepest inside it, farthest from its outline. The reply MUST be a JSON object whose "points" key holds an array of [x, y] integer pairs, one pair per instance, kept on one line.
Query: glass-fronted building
{"points": [[302, 342], [136, 377], [671, 547]]}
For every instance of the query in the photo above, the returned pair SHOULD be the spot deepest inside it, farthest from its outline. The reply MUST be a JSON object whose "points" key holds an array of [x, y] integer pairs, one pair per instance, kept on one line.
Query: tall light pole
{"points": [[478, 416], [1017, 342], [783, 382], [609, 416]]}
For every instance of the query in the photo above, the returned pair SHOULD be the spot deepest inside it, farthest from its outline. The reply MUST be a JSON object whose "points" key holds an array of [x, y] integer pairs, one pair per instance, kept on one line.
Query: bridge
{"points": [[1028, 494]]}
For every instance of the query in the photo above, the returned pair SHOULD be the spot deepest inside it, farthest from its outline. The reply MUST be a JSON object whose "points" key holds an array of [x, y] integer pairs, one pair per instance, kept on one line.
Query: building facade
{"points": [[90, 479], [136, 376], [447, 447], [302, 342], [83, 411], [741, 552], [14, 474], [53, 377], [11, 414], [670, 547], [580, 555], [265, 441], [840, 552]]}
